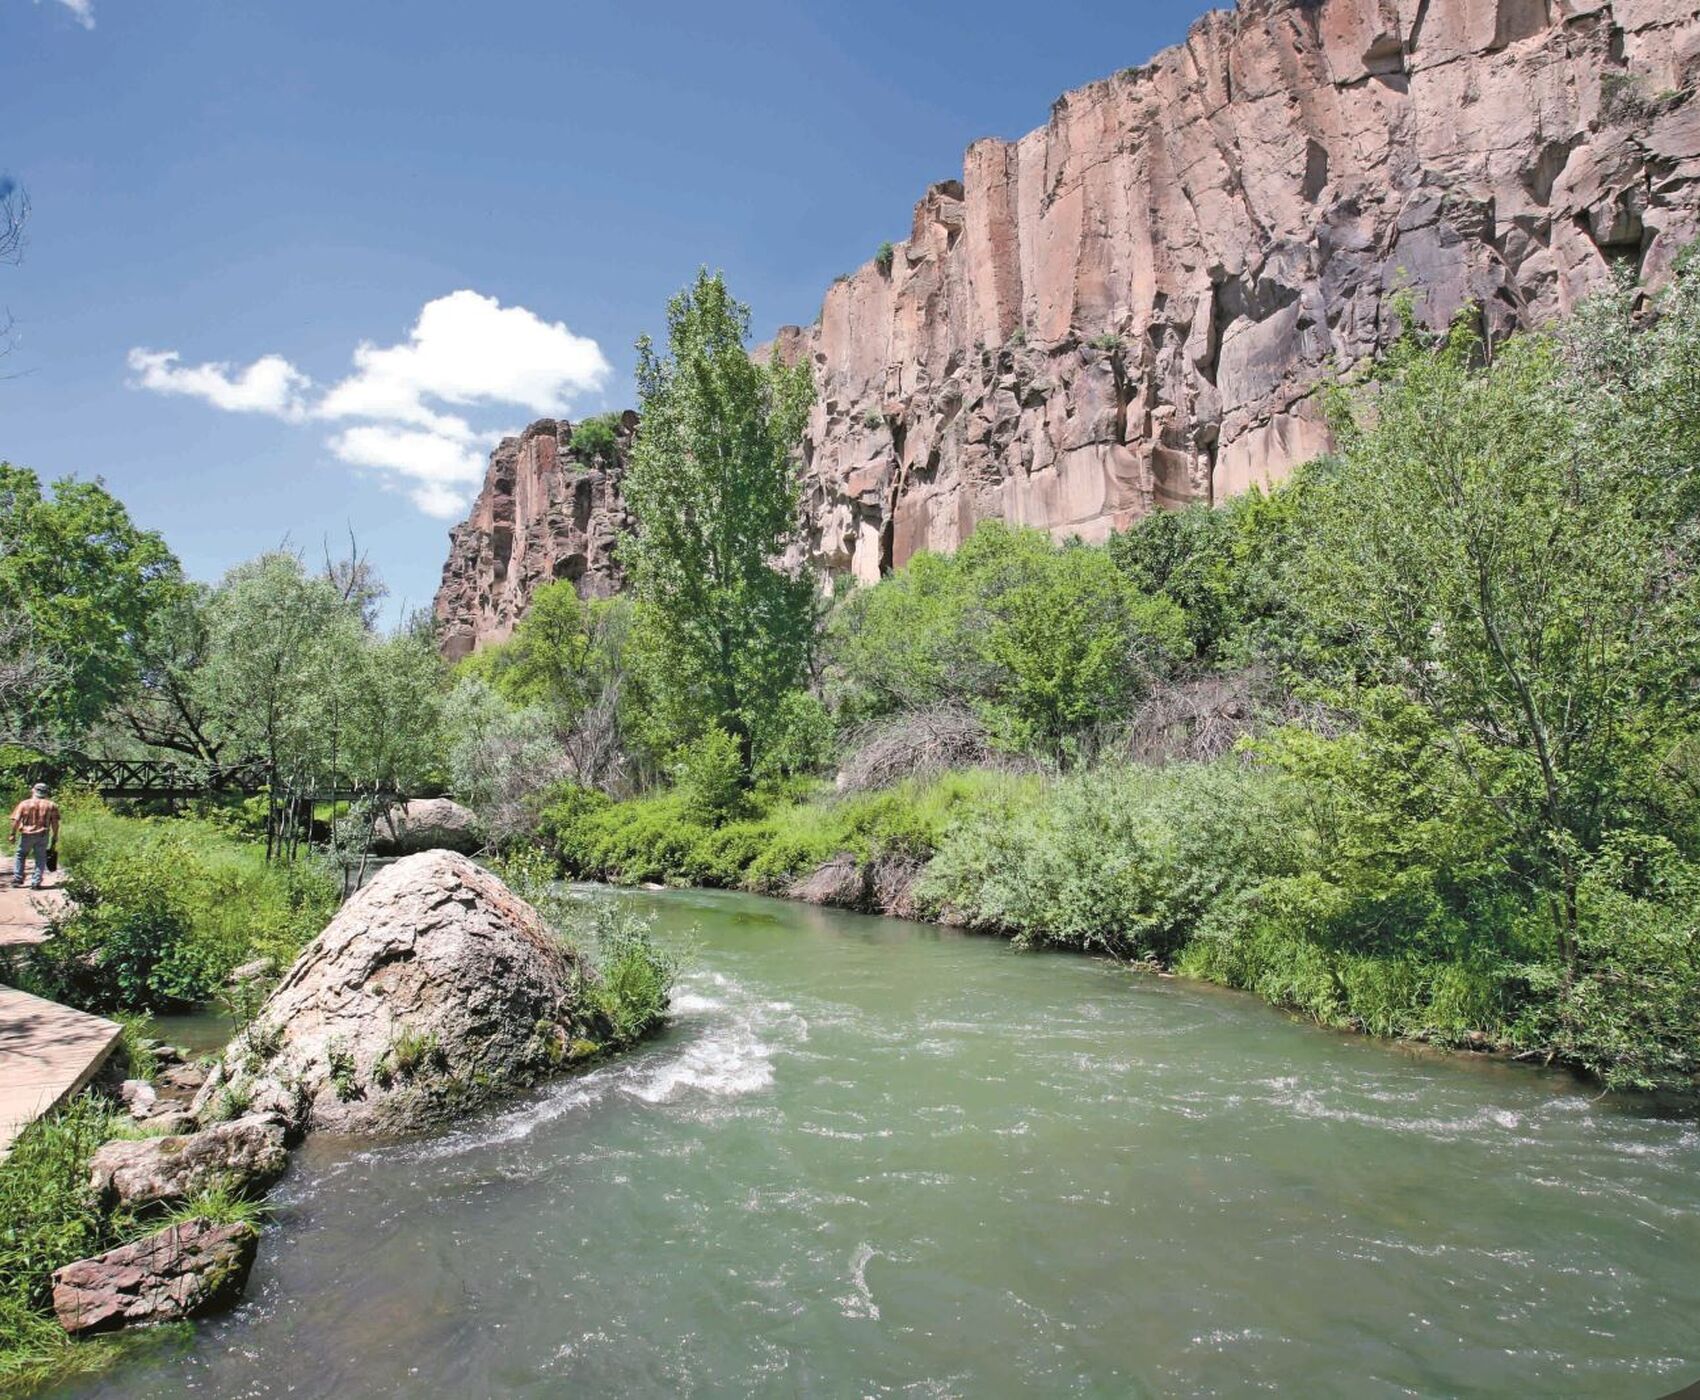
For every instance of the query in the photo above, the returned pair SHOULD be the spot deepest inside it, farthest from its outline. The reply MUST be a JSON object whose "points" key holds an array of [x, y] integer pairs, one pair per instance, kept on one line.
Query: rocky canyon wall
{"points": [[547, 511], [1129, 308]]}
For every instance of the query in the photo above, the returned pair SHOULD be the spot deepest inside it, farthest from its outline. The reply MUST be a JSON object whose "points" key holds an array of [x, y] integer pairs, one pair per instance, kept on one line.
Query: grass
{"points": [[165, 908], [656, 839], [217, 1205], [48, 1218]]}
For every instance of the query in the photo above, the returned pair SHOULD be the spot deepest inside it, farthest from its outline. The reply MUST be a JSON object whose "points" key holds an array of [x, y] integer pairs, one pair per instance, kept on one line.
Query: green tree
{"points": [[1071, 641], [394, 737], [1521, 580], [81, 586], [567, 659], [727, 627], [1043, 641]]}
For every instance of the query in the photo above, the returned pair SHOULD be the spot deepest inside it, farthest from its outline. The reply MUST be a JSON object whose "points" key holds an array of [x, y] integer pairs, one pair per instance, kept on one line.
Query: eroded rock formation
{"points": [[1129, 307], [547, 511]]}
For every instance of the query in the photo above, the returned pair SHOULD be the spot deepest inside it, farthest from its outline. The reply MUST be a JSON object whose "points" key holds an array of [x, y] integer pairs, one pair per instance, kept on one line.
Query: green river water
{"points": [[877, 1158]]}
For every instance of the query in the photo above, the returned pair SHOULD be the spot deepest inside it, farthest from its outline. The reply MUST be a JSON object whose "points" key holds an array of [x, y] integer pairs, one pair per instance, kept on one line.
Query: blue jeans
{"points": [[31, 845]]}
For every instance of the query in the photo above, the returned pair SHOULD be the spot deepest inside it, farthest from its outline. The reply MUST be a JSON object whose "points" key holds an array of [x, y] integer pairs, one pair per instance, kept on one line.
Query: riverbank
{"points": [[1249, 872]]}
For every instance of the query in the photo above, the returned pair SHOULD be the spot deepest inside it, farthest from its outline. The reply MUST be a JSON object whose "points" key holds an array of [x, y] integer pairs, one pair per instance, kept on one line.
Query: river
{"points": [[878, 1158]]}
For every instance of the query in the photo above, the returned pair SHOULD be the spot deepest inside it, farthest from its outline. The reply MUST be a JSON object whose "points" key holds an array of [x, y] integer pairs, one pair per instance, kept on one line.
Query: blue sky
{"points": [[231, 197]]}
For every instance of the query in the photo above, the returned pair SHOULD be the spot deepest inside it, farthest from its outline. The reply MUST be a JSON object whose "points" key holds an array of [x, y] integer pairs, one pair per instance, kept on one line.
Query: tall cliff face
{"points": [[1130, 307], [545, 513]]}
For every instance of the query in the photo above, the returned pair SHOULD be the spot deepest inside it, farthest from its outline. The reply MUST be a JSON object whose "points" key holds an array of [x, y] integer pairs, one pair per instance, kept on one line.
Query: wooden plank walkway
{"points": [[47, 1051], [24, 913]]}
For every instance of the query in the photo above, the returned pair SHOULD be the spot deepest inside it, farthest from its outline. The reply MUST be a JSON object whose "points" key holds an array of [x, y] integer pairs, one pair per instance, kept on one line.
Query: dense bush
{"points": [[1042, 641], [1228, 568], [163, 909], [1116, 859], [1630, 1011]]}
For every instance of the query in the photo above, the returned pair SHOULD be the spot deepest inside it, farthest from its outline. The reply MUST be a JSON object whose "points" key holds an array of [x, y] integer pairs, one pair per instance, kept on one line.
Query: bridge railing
{"points": [[142, 778]]}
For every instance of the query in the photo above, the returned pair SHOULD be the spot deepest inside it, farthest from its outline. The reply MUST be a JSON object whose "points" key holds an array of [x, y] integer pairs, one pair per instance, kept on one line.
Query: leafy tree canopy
{"points": [[87, 585], [725, 626]]}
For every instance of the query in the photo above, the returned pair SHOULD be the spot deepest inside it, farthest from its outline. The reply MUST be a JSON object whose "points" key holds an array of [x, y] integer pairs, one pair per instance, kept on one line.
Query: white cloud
{"points": [[468, 349], [464, 352], [433, 464], [270, 385], [82, 9]]}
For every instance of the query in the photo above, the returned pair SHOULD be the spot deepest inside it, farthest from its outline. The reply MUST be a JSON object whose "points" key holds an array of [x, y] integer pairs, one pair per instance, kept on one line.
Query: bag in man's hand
{"points": [[52, 859]]}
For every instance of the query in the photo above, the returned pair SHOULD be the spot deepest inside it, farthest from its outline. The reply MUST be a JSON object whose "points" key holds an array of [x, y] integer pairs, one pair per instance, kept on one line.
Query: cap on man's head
{"points": [[40, 789]]}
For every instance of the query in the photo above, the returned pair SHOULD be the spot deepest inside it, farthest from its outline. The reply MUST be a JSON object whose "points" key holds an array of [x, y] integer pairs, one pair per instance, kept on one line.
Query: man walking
{"points": [[35, 823]]}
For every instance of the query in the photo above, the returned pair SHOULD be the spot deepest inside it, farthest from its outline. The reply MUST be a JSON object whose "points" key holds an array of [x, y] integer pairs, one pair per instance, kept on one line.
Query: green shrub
{"points": [[595, 440], [1117, 859], [708, 776], [796, 739], [884, 257], [1631, 1011], [634, 977], [1043, 642], [163, 909]]}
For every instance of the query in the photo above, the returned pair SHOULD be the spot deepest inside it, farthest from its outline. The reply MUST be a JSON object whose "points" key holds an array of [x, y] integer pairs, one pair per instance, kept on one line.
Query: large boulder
{"points": [[433, 989], [183, 1270], [428, 824], [245, 1156]]}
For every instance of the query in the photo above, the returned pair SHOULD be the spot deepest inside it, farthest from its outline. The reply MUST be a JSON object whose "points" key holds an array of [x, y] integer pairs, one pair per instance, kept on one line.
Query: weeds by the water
{"points": [[164, 909], [634, 976], [48, 1218]]}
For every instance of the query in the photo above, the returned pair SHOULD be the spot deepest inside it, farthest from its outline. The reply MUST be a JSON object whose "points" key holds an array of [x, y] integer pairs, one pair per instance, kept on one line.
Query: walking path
{"points": [[23, 913], [47, 1051]]}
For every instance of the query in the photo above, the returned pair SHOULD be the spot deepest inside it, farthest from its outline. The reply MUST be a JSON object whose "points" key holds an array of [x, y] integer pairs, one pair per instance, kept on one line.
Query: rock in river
{"points": [[428, 824], [246, 1157], [182, 1270], [433, 989]]}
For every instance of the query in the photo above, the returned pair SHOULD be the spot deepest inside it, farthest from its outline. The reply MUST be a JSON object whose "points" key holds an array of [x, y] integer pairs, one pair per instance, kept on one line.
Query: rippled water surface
{"points": [[874, 1158]]}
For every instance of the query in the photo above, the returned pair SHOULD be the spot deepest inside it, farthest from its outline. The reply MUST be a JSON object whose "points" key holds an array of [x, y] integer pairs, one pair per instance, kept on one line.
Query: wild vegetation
{"points": [[1406, 744]]}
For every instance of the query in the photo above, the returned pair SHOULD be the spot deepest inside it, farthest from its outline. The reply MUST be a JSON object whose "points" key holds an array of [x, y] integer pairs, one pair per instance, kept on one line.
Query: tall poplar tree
{"points": [[725, 625]]}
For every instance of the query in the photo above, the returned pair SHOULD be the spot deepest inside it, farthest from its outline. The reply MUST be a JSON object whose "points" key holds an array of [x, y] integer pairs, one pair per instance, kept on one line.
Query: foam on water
{"points": [[721, 1047]]}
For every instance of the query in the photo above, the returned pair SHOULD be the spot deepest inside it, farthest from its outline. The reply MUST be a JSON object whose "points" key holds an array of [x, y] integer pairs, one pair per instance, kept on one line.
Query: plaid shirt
{"points": [[35, 815]]}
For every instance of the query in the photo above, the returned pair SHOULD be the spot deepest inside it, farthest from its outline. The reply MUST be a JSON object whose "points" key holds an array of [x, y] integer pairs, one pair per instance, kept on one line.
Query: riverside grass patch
{"points": [[661, 839], [164, 908], [1300, 869], [49, 1218]]}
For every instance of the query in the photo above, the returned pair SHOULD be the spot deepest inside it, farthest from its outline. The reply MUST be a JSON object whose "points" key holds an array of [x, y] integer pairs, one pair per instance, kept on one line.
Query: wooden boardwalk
{"points": [[47, 1051], [24, 913]]}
